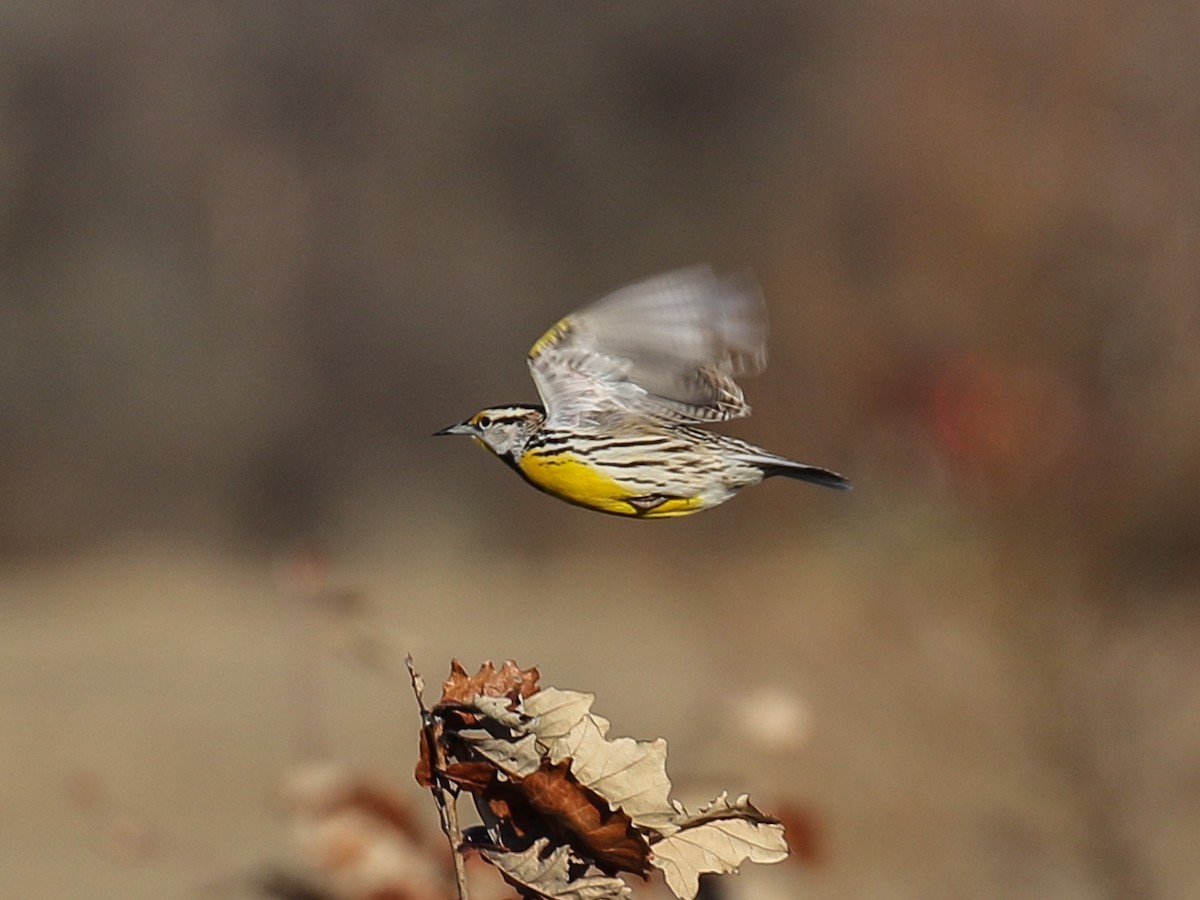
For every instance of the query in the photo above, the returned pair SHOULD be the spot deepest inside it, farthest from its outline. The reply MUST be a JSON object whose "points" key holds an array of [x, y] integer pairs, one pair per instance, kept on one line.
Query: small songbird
{"points": [[624, 383]]}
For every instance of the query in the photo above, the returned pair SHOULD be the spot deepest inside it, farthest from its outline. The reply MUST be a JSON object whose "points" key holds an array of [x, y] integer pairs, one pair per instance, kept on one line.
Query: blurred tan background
{"points": [[255, 253]]}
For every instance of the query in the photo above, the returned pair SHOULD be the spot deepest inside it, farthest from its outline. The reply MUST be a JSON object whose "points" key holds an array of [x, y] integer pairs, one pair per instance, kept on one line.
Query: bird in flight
{"points": [[626, 383]]}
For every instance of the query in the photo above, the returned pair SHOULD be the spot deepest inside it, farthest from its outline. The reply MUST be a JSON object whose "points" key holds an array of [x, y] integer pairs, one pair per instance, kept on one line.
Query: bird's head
{"points": [[501, 429]]}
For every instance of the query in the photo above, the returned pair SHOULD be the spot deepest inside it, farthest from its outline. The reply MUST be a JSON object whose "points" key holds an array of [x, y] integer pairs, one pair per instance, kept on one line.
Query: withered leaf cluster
{"points": [[566, 810]]}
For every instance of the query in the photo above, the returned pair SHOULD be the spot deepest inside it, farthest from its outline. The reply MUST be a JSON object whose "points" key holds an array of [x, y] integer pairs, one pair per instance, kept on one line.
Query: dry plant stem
{"points": [[445, 797], [448, 802]]}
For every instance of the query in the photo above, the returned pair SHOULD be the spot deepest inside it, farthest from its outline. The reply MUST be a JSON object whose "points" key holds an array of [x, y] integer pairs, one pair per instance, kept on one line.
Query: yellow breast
{"points": [[570, 479]]}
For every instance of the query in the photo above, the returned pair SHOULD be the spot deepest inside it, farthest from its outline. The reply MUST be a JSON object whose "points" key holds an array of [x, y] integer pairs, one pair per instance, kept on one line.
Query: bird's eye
{"points": [[484, 421]]}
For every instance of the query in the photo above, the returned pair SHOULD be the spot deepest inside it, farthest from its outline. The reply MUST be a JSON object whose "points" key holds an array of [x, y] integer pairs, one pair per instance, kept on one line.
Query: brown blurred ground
{"points": [[253, 254]]}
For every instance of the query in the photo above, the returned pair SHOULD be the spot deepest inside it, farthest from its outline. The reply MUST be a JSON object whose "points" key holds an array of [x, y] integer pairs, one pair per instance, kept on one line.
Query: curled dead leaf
{"points": [[510, 680], [601, 834], [550, 876], [631, 775], [718, 839]]}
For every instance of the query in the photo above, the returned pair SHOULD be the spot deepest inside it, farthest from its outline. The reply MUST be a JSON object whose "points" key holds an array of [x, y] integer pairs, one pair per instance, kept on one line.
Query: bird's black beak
{"points": [[460, 428]]}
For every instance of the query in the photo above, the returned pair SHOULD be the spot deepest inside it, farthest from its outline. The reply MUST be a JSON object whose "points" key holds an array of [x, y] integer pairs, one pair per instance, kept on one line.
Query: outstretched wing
{"points": [[668, 347]]}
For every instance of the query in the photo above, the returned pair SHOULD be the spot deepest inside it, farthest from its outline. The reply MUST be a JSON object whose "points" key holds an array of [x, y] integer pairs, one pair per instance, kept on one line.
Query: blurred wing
{"points": [[668, 347]]}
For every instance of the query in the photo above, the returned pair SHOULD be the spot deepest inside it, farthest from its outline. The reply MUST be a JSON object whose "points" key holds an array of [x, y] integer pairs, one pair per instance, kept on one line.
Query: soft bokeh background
{"points": [[255, 253]]}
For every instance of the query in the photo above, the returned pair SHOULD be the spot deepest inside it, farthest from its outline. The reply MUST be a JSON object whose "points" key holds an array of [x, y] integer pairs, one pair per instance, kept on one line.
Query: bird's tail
{"points": [[777, 465]]}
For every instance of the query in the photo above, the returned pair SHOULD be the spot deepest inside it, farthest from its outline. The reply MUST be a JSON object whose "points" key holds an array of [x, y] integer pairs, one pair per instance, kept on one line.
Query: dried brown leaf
{"points": [[719, 838], [631, 775], [424, 770], [600, 834], [534, 873], [497, 710], [475, 777], [509, 681], [517, 758]]}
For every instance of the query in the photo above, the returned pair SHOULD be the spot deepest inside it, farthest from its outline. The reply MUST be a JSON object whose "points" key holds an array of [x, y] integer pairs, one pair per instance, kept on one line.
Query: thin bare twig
{"points": [[445, 794]]}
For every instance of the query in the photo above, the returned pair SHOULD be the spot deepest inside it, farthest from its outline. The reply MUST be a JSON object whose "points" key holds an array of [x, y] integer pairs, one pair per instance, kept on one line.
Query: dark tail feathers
{"points": [[801, 472]]}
